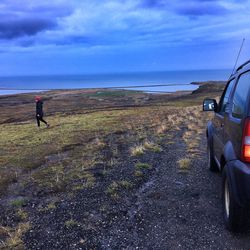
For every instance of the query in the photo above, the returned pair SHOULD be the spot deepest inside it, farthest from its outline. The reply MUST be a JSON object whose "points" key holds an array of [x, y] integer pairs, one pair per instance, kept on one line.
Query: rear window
{"points": [[240, 95]]}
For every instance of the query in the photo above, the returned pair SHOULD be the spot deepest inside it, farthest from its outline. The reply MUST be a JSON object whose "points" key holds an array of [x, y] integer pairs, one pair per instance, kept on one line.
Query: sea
{"points": [[179, 81]]}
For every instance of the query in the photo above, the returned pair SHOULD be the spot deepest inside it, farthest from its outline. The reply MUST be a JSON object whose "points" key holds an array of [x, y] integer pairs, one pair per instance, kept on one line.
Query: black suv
{"points": [[228, 144]]}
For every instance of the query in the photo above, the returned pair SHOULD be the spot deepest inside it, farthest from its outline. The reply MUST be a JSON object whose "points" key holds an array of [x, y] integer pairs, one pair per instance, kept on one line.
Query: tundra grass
{"points": [[60, 158], [63, 153], [24, 147], [56, 156]]}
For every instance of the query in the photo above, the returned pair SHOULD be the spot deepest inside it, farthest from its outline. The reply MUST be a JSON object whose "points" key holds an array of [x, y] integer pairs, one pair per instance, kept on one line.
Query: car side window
{"points": [[240, 95], [225, 97]]}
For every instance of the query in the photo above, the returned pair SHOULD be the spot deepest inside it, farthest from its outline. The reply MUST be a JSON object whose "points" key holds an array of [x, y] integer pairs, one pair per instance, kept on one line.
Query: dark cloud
{"points": [[169, 3], [26, 42], [77, 39], [189, 8], [153, 3], [25, 7], [10, 29], [201, 9], [21, 19]]}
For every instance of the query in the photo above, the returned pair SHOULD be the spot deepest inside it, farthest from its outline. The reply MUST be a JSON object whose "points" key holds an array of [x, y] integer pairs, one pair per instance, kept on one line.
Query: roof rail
{"points": [[242, 65]]}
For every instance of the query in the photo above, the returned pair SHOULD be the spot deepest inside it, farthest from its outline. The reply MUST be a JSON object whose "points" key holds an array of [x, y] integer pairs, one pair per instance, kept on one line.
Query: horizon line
{"points": [[112, 73]]}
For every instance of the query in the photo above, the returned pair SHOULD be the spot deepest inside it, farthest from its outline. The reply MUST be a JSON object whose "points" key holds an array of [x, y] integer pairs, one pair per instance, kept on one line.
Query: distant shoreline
{"points": [[15, 91], [8, 92], [185, 79]]}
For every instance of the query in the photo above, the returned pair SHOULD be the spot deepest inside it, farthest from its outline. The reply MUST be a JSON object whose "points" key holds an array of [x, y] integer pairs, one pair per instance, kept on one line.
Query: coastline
{"points": [[149, 89], [10, 92]]}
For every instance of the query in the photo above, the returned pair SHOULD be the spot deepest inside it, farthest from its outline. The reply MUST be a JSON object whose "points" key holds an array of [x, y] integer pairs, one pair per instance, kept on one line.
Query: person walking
{"points": [[39, 111]]}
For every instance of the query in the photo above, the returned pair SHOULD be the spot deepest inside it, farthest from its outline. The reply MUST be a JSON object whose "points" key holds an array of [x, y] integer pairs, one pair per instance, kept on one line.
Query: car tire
{"points": [[233, 214], [211, 161]]}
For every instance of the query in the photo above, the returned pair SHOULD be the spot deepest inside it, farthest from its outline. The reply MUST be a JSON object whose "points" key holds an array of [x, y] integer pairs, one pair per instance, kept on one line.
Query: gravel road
{"points": [[178, 210], [168, 210]]}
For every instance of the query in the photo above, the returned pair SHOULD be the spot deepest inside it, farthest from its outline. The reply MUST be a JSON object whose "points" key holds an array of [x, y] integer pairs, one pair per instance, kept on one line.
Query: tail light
{"points": [[245, 150]]}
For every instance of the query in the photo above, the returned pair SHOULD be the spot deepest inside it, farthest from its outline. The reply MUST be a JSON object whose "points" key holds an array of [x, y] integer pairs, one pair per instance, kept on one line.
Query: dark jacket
{"points": [[39, 108]]}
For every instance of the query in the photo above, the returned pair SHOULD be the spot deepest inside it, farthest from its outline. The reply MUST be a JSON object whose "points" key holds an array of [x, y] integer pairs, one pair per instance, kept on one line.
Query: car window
{"points": [[225, 97], [240, 95]]}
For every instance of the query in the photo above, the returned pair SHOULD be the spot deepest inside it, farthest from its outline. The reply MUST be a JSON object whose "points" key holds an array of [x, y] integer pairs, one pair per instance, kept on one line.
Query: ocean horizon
{"points": [[26, 84]]}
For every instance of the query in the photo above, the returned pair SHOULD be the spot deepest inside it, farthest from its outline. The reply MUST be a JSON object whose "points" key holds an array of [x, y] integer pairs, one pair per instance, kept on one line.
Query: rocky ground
{"points": [[169, 208]]}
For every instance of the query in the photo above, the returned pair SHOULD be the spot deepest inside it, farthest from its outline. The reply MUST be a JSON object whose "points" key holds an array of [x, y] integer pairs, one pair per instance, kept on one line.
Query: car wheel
{"points": [[233, 214], [211, 161]]}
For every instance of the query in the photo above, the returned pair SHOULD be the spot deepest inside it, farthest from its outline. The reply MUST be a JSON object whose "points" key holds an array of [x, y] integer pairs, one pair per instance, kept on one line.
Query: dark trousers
{"points": [[40, 118]]}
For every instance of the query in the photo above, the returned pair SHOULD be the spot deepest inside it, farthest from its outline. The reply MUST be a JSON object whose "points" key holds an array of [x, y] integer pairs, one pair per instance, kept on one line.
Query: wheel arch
{"points": [[228, 152], [227, 155]]}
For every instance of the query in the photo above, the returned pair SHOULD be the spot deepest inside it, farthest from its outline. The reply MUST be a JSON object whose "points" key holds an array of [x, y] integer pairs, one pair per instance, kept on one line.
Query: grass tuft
{"points": [[137, 150], [18, 202], [14, 236], [117, 186], [152, 146], [141, 165], [21, 214], [113, 189], [139, 174], [70, 223], [184, 164], [125, 184]]}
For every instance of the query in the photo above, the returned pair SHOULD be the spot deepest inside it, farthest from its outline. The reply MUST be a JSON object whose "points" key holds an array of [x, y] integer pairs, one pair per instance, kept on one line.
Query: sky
{"points": [[105, 36]]}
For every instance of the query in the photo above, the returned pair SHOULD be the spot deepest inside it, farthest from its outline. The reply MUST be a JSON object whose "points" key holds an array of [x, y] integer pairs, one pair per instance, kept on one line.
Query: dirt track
{"points": [[169, 209]]}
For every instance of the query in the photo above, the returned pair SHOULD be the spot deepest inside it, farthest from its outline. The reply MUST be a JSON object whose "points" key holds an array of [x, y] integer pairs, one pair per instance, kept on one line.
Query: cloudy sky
{"points": [[89, 36]]}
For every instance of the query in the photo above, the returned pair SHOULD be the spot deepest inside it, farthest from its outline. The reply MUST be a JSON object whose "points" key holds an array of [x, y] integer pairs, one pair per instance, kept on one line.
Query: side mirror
{"points": [[210, 105]]}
